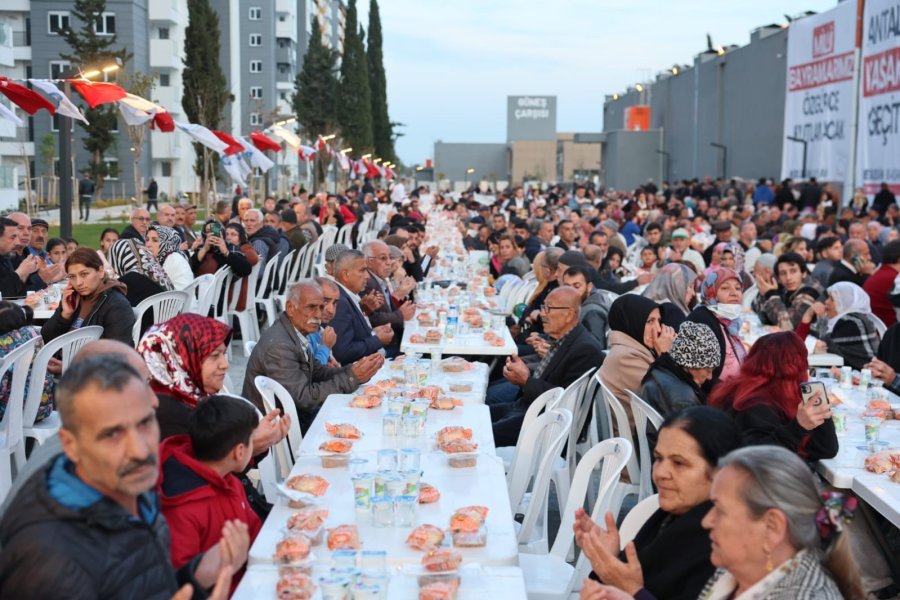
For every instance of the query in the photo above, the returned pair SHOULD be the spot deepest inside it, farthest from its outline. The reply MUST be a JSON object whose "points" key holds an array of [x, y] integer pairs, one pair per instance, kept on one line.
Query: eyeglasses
{"points": [[141, 218], [381, 258], [545, 308]]}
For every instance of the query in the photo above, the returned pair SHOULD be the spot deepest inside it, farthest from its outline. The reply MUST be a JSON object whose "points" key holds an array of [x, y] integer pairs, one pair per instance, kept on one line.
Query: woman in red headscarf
{"points": [[721, 294]]}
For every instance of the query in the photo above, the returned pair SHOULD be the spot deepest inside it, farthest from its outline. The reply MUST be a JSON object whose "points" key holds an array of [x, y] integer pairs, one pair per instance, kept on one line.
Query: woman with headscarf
{"points": [[715, 260], [673, 289], [170, 257], [844, 326], [138, 269], [636, 338], [733, 258], [721, 294]]}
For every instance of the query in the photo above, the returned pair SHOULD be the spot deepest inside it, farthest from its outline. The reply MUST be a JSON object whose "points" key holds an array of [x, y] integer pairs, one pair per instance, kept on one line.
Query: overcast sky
{"points": [[450, 64]]}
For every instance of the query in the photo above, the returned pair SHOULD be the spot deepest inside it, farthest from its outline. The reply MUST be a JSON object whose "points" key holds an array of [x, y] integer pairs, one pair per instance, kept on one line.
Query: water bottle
{"points": [[452, 322]]}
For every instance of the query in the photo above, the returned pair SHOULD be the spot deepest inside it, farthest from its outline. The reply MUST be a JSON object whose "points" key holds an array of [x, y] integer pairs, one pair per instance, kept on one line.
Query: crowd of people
{"points": [[650, 286]]}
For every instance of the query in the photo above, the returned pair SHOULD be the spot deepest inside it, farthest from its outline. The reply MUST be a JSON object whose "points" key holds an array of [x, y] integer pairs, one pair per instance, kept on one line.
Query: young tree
{"points": [[139, 84], [205, 87], [354, 107], [382, 128], [92, 51]]}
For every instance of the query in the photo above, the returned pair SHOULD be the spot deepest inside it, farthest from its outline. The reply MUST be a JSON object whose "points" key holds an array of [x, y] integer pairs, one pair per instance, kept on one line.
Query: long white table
{"points": [[470, 343], [815, 360]]}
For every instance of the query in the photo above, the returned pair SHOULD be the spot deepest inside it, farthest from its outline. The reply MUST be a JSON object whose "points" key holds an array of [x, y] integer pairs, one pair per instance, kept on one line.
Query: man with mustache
{"points": [[87, 524], [284, 354]]}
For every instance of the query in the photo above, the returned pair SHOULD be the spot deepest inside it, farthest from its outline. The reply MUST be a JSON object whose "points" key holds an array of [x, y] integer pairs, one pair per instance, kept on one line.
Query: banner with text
{"points": [[878, 142], [818, 107]]}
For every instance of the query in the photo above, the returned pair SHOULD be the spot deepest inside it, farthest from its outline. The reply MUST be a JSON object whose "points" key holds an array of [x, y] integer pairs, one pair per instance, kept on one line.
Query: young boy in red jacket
{"points": [[198, 489]]}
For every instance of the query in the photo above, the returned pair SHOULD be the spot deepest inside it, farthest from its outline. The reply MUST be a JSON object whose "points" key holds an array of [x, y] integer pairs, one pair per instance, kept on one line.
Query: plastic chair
{"points": [[549, 400], [68, 344], [564, 468], [247, 318], [265, 293], [549, 576], [278, 397], [643, 414], [344, 234], [164, 305], [614, 409], [195, 291], [749, 296], [880, 327], [12, 441], [529, 477], [636, 518]]}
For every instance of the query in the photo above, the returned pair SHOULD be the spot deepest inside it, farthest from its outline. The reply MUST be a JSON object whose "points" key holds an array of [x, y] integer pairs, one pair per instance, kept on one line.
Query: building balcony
{"points": [[164, 54], [168, 11], [168, 98], [165, 146], [286, 54]]}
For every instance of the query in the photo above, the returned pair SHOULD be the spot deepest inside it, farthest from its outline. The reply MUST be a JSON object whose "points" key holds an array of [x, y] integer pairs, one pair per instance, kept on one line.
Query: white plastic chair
{"points": [[68, 344], [164, 305], [265, 293], [643, 414], [572, 399], [549, 576], [614, 409], [548, 400], [271, 391], [880, 327], [247, 318], [12, 441], [195, 291], [749, 296], [529, 477], [219, 294], [344, 235], [636, 518]]}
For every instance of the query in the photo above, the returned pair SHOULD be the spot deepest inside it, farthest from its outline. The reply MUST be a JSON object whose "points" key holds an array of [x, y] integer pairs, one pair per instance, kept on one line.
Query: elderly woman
{"points": [[669, 556], [784, 303], [721, 294], [165, 247], [765, 400], [845, 325], [138, 269], [675, 379], [673, 289]]}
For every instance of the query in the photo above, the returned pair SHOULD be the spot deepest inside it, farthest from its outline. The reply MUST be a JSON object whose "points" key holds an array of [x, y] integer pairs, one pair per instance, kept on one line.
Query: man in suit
{"points": [[355, 336], [284, 354], [378, 261], [856, 265], [571, 353]]}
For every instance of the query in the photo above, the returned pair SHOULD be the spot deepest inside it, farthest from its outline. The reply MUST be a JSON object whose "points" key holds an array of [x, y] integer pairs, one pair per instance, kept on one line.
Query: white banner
{"points": [[878, 145], [818, 107]]}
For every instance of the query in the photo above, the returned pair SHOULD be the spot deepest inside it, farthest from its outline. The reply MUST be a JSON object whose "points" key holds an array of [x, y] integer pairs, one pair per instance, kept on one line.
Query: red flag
{"points": [[264, 142], [372, 171], [97, 93], [28, 100], [164, 121], [321, 144], [234, 146]]}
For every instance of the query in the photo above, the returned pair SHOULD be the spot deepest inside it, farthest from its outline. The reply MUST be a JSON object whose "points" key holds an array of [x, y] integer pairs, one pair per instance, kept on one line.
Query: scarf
{"points": [[169, 241], [847, 298], [629, 313], [132, 256], [175, 350], [87, 303], [671, 284]]}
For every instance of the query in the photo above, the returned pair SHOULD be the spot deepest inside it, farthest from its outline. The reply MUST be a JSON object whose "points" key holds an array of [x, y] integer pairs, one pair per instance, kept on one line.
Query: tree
{"points": [[92, 51], [354, 106], [139, 84], [205, 87], [382, 128]]}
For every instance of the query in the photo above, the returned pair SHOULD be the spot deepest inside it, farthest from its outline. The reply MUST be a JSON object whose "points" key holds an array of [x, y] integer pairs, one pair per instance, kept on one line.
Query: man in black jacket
{"points": [[87, 524], [572, 352], [140, 225], [856, 265], [13, 278], [378, 262]]}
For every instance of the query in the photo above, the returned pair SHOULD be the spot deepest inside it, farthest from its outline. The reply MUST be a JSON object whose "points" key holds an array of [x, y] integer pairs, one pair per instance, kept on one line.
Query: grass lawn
{"points": [[88, 234]]}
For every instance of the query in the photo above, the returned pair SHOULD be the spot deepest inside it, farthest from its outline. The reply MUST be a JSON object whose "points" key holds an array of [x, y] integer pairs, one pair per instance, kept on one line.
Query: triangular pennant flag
{"points": [[306, 152], [203, 135], [139, 103], [255, 156], [28, 100], [234, 147], [9, 115], [164, 122], [372, 171], [132, 116], [321, 144], [344, 161], [230, 164], [288, 136], [242, 164], [64, 106], [264, 142], [98, 92]]}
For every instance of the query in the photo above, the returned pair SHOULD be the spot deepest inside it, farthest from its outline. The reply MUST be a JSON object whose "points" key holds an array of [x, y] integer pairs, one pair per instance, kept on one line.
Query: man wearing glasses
{"points": [[394, 309], [140, 225], [571, 352]]}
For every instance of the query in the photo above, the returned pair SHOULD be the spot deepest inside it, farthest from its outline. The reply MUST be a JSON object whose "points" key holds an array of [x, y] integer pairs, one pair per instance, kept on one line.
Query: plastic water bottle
{"points": [[452, 322]]}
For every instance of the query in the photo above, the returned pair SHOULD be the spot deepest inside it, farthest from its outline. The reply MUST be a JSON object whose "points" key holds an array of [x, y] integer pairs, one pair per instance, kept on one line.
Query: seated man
{"points": [[571, 353], [199, 489], [323, 340], [378, 261], [283, 353], [85, 525], [594, 303], [355, 336]]}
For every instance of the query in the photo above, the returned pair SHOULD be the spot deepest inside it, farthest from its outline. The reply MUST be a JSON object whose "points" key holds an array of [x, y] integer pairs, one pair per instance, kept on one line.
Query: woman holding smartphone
{"points": [[214, 252]]}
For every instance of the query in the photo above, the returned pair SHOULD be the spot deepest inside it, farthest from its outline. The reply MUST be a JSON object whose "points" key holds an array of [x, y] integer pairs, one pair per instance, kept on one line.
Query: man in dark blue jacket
{"points": [[355, 336]]}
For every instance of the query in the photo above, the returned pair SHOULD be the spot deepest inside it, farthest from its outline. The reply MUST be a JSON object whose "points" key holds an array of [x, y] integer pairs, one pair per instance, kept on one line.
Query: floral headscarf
{"points": [[709, 289], [175, 350], [128, 255], [169, 241], [738, 252]]}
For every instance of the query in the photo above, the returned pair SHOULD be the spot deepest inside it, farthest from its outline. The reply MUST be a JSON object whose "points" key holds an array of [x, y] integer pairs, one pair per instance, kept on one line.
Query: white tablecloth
{"points": [[477, 376], [466, 344]]}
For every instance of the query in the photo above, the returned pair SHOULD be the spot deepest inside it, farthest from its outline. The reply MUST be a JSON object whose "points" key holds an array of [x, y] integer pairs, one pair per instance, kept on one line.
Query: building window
{"points": [[254, 119], [255, 13], [166, 168], [256, 66], [163, 33], [164, 80], [57, 21], [112, 168], [106, 24], [283, 95], [54, 123], [57, 68], [256, 39], [256, 92]]}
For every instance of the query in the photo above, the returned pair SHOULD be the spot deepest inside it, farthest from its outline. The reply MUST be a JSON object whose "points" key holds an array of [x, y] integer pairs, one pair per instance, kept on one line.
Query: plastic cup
{"points": [[839, 416], [387, 460], [872, 428], [344, 559], [372, 561], [418, 407], [363, 489], [334, 588], [846, 377], [405, 510], [410, 459], [394, 485], [411, 478], [390, 424], [358, 466], [382, 511]]}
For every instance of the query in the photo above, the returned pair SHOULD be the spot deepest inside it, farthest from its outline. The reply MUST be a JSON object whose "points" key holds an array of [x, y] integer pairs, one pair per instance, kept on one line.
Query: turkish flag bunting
{"points": [[234, 146], [164, 121], [28, 100], [321, 144], [97, 93], [264, 142], [372, 171]]}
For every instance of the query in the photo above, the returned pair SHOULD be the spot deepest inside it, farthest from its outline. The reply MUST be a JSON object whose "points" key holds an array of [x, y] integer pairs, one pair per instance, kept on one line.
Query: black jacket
{"points": [[668, 388], [578, 352], [762, 424], [113, 312], [130, 233], [843, 273], [702, 314], [268, 236], [10, 284], [53, 551], [532, 248]]}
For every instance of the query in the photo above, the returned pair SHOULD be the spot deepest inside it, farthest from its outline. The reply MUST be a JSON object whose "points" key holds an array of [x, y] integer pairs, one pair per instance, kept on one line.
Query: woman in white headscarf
{"points": [[673, 289], [846, 325]]}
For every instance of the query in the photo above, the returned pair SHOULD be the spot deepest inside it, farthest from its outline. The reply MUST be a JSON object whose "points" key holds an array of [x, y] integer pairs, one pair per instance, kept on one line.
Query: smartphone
{"points": [[216, 229], [808, 390]]}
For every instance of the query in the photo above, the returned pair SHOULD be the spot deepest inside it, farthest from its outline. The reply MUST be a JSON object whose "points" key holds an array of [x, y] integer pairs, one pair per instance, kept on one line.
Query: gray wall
{"points": [[736, 99], [453, 159], [629, 158], [530, 118]]}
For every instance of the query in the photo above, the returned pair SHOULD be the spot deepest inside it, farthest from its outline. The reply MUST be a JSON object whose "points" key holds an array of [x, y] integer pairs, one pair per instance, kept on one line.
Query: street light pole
{"points": [[724, 149], [66, 172], [666, 169], [805, 144]]}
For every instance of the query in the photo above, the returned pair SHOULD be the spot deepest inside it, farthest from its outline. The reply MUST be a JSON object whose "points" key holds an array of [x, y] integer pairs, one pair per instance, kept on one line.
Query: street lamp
{"points": [[805, 144], [665, 176], [469, 171]]}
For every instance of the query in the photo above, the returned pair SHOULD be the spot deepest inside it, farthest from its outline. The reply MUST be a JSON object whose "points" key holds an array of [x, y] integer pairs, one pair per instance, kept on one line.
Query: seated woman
{"points": [[236, 235], [673, 289], [15, 330], [138, 269], [784, 303], [164, 243], [669, 556], [92, 298], [721, 294], [215, 252], [764, 398], [612, 268], [733, 258], [845, 325], [57, 251], [675, 378]]}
